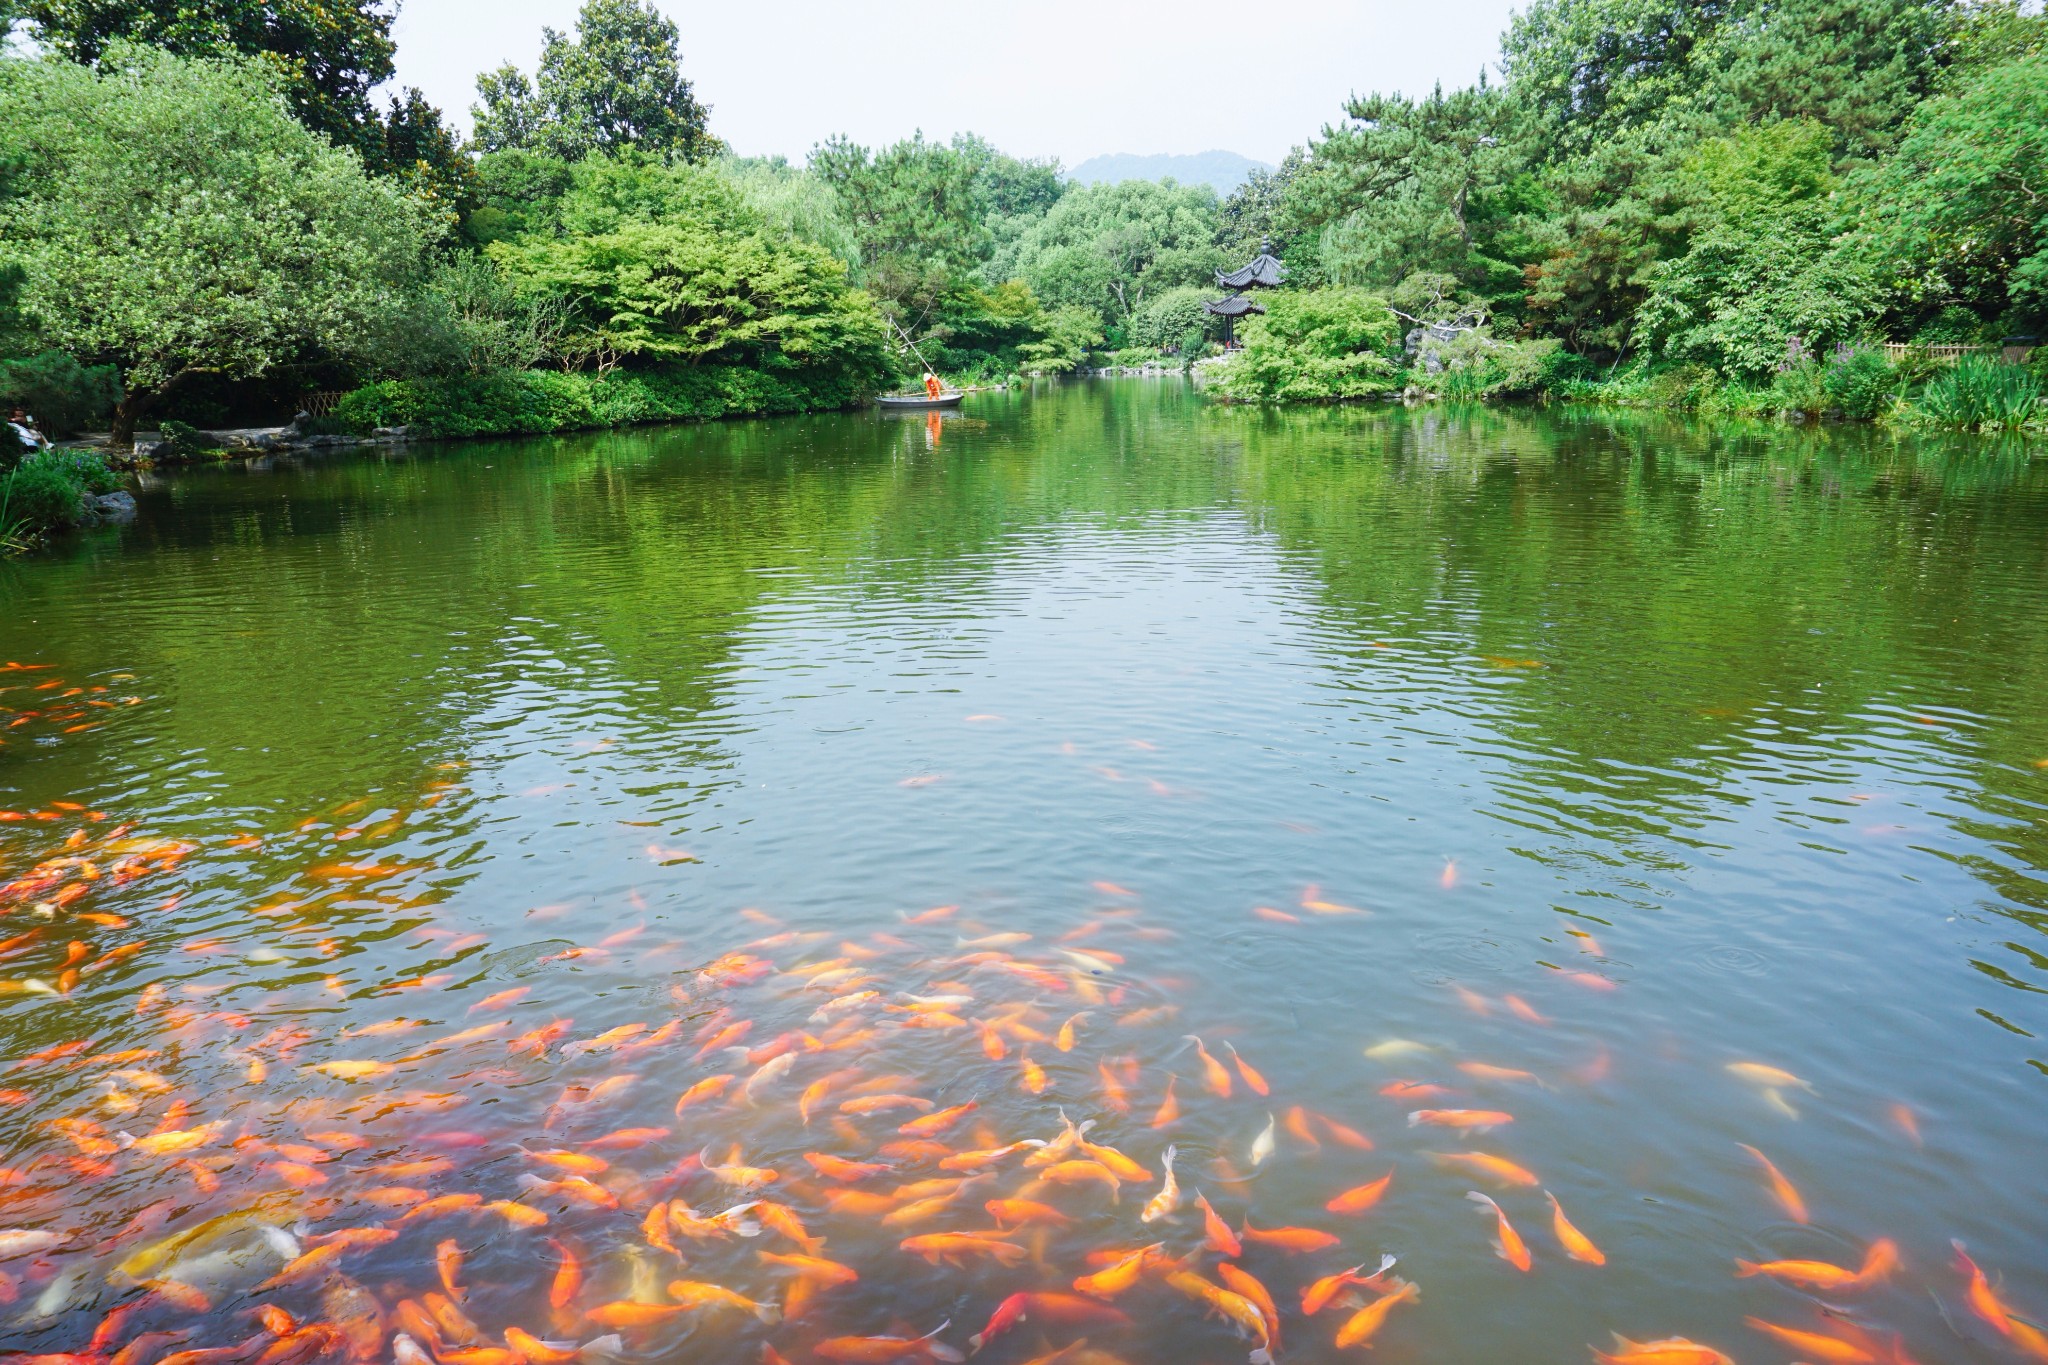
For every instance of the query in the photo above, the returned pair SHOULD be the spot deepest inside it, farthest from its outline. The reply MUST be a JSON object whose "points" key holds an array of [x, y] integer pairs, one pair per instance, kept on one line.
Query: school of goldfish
{"points": [[938, 1140]]}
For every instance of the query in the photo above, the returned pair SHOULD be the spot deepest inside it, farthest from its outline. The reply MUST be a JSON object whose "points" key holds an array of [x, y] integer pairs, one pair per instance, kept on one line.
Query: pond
{"points": [[630, 896]]}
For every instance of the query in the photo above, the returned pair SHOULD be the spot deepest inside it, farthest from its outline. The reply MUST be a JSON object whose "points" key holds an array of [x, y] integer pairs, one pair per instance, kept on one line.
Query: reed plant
{"points": [[1978, 394]]}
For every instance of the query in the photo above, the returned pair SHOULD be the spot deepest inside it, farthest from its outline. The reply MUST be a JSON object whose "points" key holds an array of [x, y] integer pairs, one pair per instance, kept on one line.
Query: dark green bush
{"points": [[1801, 387], [181, 441], [42, 492], [62, 395], [1860, 383], [537, 401]]}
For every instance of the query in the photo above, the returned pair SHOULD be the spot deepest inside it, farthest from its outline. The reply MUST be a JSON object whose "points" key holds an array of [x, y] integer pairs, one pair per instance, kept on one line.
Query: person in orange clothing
{"points": [[932, 388]]}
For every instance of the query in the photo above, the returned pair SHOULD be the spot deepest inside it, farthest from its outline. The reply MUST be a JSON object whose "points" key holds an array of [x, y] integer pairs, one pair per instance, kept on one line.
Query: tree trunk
{"points": [[134, 403]]}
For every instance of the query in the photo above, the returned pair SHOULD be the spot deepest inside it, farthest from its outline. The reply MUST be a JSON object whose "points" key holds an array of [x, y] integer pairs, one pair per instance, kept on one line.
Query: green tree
{"points": [[328, 54], [616, 83], [672, 263], [1064, 342], [417, 146], [1110, 247], [1959, 217], [1315, 345], [174, 220], [1763, 267], [1399, 186], [686, 292]]}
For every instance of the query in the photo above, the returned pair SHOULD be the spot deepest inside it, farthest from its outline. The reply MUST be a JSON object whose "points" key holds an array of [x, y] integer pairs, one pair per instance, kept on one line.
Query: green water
{"points": [[1759, 709]]}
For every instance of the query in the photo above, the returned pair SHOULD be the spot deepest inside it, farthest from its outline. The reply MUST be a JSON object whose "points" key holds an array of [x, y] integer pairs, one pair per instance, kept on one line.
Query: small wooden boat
{"points": [[913, 402]]}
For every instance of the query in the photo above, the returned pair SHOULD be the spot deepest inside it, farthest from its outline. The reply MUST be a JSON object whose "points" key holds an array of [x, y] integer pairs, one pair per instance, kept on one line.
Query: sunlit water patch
{"points": [[781, 890]]}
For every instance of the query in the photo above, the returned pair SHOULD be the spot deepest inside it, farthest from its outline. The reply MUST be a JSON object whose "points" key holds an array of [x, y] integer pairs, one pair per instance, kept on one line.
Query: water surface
{"points": [[1639, 750]]}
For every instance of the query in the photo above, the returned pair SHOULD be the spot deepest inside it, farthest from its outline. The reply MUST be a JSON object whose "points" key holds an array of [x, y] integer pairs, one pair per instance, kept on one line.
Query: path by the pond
{"points": [[676, 895]]}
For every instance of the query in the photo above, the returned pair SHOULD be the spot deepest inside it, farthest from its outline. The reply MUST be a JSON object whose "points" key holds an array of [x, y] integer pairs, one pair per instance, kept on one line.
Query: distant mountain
{"points": [[1221, 171]]}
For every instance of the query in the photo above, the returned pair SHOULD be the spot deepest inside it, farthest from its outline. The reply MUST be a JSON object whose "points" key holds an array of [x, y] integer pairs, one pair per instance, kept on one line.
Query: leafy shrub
{"points": [[1167, 319], [1801, 387], [1980, 392], [1317, 345], [42, 492], [62, 395], [1953, 326], [1860, 382], [530, 402], [183, 442]]}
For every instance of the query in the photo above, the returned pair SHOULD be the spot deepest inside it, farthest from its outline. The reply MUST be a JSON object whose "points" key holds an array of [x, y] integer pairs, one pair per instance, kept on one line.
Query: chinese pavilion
{"points": [[1264, 272]]}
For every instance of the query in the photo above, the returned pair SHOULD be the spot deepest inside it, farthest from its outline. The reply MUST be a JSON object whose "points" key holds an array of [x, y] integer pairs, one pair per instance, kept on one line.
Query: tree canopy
{"points": [[174, 219], [616, 83], [328, 54]]}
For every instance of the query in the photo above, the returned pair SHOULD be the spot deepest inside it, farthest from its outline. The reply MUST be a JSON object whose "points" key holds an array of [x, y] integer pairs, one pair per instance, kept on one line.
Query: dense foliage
{"points": [[1720, 206], [173, 219], [616, 83], [1719, 191]]}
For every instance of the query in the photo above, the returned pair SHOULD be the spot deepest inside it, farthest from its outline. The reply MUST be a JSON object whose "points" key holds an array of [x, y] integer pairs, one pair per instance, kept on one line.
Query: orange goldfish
{"points": [[1669, 1351], [829, 1274], [1982, 1298], [1814, 1345], [1494, 1168], [448, 1260], [1479, 1119], [1786, 1193], [1233, 1306], [931, 1125], [1291, 1240], [710, 1088], [1317, 1296], [985, 1156], [1217, 1079], [1245, 1069], [1080, 1172], [1109, 1283], [1169, 1108], [1362, 1326], [698, 1294], [951, 1247], [838, 1168], [881, 1350], [568, 1281], [1362, 1197], [1510, 1247], [1246, 1285], [1216, 1233], [1878, 1263], [1063, 1309], [735, 1173], [1576, 1244], [1021, 1211]]}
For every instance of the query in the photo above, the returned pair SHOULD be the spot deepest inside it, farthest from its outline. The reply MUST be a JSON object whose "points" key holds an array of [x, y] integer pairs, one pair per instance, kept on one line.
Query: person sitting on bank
{"points": [[932, 388], [24, 428]]}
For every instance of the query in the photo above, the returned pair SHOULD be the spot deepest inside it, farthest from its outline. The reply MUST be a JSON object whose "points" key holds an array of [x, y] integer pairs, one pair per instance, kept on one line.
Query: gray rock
{"points": [[117, 507]]}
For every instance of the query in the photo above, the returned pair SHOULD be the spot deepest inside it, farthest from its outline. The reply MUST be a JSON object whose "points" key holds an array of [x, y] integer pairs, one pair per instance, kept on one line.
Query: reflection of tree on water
{"points": [[1692, 587]]}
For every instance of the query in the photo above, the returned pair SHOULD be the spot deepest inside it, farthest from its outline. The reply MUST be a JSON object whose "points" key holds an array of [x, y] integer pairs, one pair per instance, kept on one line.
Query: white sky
{"points": [[1065, 78]]}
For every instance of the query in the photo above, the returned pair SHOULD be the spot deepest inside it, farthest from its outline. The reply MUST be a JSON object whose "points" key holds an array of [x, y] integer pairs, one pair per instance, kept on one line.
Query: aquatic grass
{"points": [[1980, 394]]}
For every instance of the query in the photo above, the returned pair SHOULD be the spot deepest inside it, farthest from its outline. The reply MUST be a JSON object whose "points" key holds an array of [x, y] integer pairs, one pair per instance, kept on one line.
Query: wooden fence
{"points": [[321, 404], [1896, 351]]}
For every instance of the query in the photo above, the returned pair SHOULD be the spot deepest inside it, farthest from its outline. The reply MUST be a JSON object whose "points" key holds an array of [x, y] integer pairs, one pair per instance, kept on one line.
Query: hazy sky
{"points": [[1064, 78]]}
